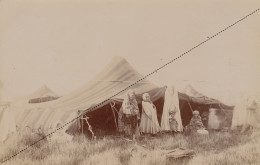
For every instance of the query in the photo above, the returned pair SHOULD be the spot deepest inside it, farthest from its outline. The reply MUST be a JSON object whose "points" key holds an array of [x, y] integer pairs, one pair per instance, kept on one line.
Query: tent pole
{"points": [[112, 108], [190, 107], [90, 128], [82, 124]]}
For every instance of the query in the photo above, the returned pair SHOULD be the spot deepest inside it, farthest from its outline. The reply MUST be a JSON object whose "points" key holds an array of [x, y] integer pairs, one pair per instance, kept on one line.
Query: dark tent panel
{"points": [[43, 99]]}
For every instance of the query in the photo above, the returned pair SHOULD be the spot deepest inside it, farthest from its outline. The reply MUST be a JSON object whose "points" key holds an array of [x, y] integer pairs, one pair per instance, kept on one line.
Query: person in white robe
{"points": [[239, 112], [252, 114], [213, 122], [171, 116], [149, 121]]}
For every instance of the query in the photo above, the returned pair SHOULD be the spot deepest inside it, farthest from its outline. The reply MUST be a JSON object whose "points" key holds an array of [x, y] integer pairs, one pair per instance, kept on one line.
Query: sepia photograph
{"points": [[129, 82]]}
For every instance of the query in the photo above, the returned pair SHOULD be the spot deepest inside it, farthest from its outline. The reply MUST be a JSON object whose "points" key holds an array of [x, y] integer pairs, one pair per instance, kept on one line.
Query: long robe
{"points": [[171, 104], [128, 117], [239, 113], [149, 121], [213, 122], [251, 112]]}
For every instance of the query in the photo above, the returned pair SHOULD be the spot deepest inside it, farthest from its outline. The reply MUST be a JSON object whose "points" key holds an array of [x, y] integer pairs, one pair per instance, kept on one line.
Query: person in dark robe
{"points": [[129, 115], [195, 122]]}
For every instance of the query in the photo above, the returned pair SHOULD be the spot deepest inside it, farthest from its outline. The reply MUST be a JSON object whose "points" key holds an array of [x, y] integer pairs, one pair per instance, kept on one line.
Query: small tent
{"points": [[191, 99], [43, 94], [22, 104], [7, 121]]}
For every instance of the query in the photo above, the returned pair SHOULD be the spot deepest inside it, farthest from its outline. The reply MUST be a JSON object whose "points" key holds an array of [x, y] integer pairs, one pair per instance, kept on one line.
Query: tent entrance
{"points": [[104, 120], [224, 116]]}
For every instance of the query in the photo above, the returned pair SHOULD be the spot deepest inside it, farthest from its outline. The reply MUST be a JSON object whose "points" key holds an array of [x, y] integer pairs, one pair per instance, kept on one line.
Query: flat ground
{"points": [[225, 148]]}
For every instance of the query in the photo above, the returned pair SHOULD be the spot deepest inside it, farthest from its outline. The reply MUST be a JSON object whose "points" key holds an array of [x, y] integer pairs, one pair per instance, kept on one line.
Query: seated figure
{"points": [[172, 121], [196, 124]]}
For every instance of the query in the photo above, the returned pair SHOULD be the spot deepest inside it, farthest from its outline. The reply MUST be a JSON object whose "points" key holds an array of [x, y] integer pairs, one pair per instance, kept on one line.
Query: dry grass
{"points": [[217, 148]]}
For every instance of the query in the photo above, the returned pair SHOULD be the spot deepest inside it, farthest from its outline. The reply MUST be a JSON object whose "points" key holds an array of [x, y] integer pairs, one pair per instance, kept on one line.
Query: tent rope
{"points": [[113, 81]]}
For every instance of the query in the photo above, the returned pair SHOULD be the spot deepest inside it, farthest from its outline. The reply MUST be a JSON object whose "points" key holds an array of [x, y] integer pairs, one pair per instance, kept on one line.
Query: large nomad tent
{"points": [[116, 76], [7, 121]]}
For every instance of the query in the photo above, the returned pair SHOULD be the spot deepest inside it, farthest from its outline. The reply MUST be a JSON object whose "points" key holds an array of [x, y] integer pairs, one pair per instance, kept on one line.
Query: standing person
{"points": [[213, 122], [149, 122], [171, 117], [131, 115], [251, 120], [239, 113]]}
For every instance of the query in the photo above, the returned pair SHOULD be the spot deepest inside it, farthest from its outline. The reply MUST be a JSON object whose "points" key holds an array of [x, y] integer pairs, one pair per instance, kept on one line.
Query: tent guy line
{"points": [[138, 81]]}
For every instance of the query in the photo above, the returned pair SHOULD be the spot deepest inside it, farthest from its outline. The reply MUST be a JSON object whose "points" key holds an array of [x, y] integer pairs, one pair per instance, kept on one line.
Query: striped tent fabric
{"points": [[116, 76]]}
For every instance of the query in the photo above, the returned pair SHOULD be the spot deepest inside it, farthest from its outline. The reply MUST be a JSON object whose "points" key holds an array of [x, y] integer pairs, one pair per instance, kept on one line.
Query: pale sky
{"points": [[63, 44]]}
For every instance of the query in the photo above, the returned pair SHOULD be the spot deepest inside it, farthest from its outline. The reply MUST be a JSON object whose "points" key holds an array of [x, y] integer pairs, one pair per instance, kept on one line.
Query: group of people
{"points": [[133, 122]]}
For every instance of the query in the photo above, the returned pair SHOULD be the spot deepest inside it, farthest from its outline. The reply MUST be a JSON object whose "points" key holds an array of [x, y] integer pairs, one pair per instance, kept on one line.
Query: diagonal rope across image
{"points": [[138, 81]]}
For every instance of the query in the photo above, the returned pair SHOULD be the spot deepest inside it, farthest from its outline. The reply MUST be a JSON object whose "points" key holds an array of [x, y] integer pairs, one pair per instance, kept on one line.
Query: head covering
{"points": [[196, 122], [212, 109], [128, 94], [145, 95], [130, 106]]}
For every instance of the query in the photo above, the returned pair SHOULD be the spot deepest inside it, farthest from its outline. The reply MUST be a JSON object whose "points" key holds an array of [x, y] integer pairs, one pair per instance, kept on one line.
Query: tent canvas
{"points": [[190, 100], [43, 94], [116, 76], [43, 91], [7, 121]]}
